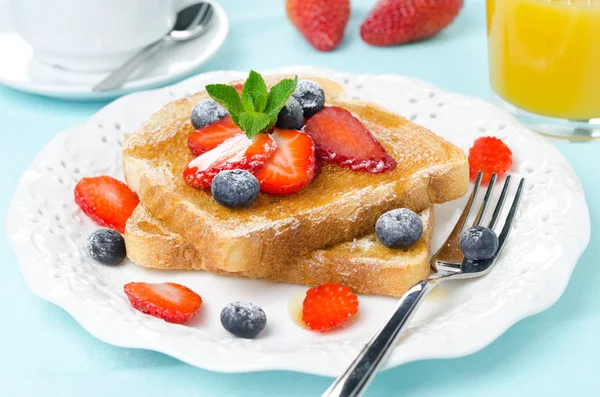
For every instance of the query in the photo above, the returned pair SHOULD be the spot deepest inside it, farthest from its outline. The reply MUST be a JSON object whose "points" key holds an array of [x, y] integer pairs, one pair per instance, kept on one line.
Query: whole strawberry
{"points": [[394, 22], [321, 22]]}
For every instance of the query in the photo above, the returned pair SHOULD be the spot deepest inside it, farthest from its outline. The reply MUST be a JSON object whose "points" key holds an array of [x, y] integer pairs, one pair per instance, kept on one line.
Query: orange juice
{"points": [[545, 55]]}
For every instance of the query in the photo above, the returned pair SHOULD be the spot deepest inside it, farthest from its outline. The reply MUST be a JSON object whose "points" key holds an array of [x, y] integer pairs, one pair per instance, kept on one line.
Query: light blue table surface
{"points": [[44, 352]]}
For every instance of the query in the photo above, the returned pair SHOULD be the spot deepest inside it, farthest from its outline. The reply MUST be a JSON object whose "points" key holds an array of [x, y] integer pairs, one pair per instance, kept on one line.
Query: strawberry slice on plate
{"points": [[342, 139], [237, 152], [172, 302], [328, 306], [107, 201], [292, 167], [212, 135]]}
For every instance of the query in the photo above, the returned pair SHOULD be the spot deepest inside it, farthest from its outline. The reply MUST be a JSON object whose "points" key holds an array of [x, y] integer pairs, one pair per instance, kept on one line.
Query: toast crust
{"points": [[364, 265], [338, 206]]}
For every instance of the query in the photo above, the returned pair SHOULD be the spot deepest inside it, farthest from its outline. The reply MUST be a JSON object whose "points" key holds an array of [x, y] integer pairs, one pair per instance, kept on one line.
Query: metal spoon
{"points": [[190, 23]]}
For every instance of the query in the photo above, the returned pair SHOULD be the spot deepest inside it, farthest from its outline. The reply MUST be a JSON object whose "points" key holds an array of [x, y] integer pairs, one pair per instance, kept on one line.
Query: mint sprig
{"points": [[256, 110]]}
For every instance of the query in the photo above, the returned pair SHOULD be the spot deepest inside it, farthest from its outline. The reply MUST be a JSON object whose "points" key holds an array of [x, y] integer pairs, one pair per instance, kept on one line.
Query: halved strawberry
{"points": [[237, 152], [342, 139], [172, 302], [292, 167], [107, 201], [212, 135]]}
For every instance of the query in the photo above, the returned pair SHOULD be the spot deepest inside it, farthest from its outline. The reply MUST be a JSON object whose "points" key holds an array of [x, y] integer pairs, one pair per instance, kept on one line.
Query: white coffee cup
{"points": [[92, 35]]}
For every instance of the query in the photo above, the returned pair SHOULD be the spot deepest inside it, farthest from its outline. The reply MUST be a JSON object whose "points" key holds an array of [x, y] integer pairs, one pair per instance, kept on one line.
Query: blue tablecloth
{"points": [[44, 352]]}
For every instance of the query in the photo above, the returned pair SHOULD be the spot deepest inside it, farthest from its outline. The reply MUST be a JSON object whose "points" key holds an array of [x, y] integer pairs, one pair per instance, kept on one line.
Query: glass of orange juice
{"points": [[544, 58]]}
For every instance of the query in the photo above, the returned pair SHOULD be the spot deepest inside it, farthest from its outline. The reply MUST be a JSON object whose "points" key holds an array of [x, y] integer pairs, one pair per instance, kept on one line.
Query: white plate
{"points": [[48, 232], [20, 70]]}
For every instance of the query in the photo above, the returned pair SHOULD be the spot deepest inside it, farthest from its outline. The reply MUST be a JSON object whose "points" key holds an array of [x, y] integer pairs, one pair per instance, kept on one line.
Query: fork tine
{"points": [[511, 215], [500, 204], [462, 221], [486, 200]]}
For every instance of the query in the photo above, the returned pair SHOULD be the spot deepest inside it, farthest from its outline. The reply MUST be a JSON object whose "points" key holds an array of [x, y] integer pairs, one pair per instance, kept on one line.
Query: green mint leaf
{"points": [[278, 96], [253, 123], [257, 110], [227, 96], [254, 93]]}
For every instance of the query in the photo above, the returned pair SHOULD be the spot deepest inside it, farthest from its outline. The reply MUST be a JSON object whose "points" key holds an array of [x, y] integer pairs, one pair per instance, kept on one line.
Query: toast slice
{"points": [[365, 265], [338, 206]]}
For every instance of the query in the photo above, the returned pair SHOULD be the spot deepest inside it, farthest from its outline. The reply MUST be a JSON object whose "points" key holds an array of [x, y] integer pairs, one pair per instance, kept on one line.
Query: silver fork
{"points": [[447, 264]]}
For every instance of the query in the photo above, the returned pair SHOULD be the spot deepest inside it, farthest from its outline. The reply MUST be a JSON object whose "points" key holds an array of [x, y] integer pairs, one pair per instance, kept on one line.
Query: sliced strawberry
{"points": [[328, 306], [489, 154], [238, 88], [237, 152], [171, 302], [292, 167], [342, 139], [209, 137], [107, 201]]}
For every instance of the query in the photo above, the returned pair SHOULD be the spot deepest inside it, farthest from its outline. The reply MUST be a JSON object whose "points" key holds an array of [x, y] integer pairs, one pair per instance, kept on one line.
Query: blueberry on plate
{"points": [[399, 228], [235, 188], [311, 97], [291, 115], [479, 243], [106, 246], [207, 112], [242, 319]]}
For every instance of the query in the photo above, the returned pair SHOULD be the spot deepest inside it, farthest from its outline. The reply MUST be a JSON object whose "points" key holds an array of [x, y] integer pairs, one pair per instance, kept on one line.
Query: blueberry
{"points": [[106, 246], [243, 319], [399, 228], [207, 112], [479, 243], [311, 97], [235, 188], [291, 115]]}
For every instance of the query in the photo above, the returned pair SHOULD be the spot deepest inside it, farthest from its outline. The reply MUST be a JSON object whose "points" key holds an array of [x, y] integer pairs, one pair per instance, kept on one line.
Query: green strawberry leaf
{"points": [[254, 93], [278, 96], [253, 123], [226, 96]]}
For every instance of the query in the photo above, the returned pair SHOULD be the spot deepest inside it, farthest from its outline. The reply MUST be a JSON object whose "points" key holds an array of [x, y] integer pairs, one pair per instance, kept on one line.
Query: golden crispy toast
{"points": [[364, 264], [338, 206]]}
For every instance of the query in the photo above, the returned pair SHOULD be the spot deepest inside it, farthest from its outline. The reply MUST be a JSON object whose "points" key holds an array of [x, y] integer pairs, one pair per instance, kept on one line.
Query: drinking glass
{"points": [[544, 59]]}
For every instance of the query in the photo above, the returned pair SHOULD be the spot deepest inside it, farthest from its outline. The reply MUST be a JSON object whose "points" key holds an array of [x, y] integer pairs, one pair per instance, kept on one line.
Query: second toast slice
{"points": [[338, 206], [364, 264]]}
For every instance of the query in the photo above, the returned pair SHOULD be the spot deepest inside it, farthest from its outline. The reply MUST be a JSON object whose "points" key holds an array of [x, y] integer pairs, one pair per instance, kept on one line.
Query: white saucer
{"points": [[19, 68]]}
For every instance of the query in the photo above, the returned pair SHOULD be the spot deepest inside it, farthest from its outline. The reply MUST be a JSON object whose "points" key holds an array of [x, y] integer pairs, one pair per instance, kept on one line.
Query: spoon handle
{"points": [[362, 370], [118, 76]]}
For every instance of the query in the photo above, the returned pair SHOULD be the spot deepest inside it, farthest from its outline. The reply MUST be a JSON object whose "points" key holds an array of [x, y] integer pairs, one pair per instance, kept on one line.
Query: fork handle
{"points": [[362, 370]]}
